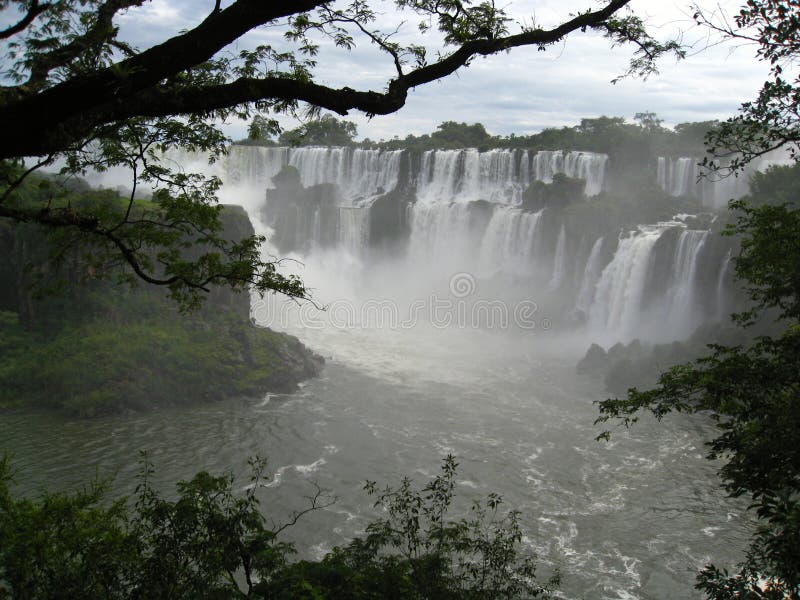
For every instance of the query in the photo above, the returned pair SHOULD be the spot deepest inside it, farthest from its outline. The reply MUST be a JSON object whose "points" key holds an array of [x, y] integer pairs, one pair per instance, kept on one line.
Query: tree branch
{"points": [[60, 218], [338, 17], [58, 116], [319, 501], [13, 185], [34, 11], [72, 98], [100, 32]]}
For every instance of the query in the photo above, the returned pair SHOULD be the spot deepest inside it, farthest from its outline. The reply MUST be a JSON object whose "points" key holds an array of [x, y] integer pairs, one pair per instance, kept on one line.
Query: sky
{"points": [[522, 91]]}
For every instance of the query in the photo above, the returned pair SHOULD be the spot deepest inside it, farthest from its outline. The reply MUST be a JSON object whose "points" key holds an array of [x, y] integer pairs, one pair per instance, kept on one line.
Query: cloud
{"points": [[524, 90]]}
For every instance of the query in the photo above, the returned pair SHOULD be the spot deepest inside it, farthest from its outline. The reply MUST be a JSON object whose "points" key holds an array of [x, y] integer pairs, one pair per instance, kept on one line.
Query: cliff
{"points": [[94, 347]]}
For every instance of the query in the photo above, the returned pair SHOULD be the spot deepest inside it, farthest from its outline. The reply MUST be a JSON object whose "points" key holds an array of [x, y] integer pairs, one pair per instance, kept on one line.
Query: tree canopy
{"points": [[76, 89], [771, 120], [325, 131], [212, 542]]}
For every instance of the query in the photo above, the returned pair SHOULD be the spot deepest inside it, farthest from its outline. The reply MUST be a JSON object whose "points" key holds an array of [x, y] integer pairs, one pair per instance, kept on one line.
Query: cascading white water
{"points": [[661, 173], [722, 300], [359, 173], [467, 175], [684, 176], [559, 263], [616, 312], [501, 176], [678, 177], [253, 165], [508, 243], [582, 165], [591, 272], [445, 178], [438, 231], [450, 233], [447, 232], [353, 231], [681, 314]]}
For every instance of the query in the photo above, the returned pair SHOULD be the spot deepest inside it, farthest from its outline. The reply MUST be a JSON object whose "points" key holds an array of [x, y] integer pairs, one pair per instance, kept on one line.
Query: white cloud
{"points": [[524, 90]]}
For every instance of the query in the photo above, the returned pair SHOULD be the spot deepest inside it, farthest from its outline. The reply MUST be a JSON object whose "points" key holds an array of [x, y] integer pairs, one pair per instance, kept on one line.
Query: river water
{"points": [[634, 518]]}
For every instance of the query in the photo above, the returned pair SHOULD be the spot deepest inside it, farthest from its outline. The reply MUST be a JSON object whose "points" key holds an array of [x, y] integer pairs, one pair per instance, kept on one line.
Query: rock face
{"points": [[639, 365], [595, 361], [96, 347], [298, 364]]}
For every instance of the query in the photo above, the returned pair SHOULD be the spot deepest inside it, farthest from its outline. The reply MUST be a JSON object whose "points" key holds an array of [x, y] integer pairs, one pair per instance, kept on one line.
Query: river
{"points": [[633, 518]]}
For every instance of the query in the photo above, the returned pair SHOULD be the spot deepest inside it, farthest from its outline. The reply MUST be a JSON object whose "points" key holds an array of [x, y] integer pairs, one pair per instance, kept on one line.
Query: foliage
{"points": [[625, 208], [97, 347], [325, 131], [639, 364], [261, 130], [460, 135], [141, 354], [558, 194], [751, 392], [77, 545], [64, 545], [211, 543], [771, 120], [640, 142], [176, 241]]}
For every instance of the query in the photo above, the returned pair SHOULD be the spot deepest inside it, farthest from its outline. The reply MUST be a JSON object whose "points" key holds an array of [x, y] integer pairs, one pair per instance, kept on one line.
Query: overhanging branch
{"points": [[34, 11], [57, 117]]}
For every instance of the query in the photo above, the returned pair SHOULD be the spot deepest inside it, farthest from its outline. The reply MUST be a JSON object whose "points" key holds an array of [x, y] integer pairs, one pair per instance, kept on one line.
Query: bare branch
{"points": [[338, 17], [319, 501]]}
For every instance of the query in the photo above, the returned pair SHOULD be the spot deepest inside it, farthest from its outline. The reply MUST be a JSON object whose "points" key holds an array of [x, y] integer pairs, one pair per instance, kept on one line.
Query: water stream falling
{"points": [[591, 273], [617, 304], [462, 210]]}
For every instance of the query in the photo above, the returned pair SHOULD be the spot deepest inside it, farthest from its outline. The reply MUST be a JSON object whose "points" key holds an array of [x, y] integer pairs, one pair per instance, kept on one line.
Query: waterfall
{"points": [[253, 165], [661, 175], [459, 211], [678, 177], [316, 228], [360, 174], [559, 263], [588, 166], [467, 175], [501, 176], [681, 310], [438, 231], [590, 274], [617, 308], [507, 244], [722, 310], [353, 229], [683, 176]]}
